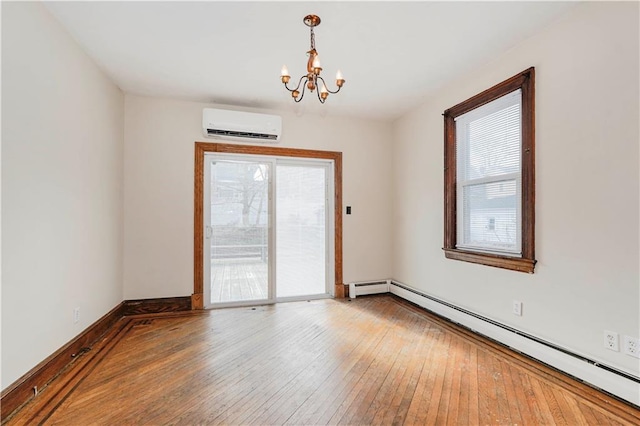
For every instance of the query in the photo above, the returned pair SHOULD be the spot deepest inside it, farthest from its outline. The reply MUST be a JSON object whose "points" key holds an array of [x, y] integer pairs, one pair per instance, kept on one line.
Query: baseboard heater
{"points": [[609, 379], [363, 288]]}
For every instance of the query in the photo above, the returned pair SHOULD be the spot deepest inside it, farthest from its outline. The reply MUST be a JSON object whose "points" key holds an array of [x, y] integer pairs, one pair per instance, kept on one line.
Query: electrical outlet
{"points": [[611, 340], [76, 315], [632, 346], [517, 308]]}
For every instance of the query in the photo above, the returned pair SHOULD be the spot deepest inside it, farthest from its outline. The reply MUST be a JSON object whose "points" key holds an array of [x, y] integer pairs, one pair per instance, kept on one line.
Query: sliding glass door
{"points": [[268, 231]]}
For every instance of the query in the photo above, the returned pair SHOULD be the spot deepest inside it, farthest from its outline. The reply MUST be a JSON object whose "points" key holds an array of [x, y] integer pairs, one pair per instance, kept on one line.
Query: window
{"points": [[489, 176]]}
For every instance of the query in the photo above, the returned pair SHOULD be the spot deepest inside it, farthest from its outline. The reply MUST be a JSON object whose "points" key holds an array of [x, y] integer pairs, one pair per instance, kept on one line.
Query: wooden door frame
{"points": [[201, 148]]}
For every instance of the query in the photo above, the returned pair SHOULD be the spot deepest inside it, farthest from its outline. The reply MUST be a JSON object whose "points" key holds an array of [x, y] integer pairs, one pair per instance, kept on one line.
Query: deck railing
{"points": [[238, 242]]}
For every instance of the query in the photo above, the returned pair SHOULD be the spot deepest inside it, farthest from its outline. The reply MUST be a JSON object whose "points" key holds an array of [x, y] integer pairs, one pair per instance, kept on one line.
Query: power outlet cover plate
{"points": [[517, 308], [631, 346], [611, 340]]}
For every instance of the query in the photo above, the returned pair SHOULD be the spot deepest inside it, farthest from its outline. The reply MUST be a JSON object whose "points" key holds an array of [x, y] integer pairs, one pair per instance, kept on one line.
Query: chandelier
{"points": [[312, 80]]}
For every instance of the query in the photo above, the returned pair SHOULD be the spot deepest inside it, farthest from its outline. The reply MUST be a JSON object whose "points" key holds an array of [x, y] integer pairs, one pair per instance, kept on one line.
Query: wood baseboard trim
{"points": [[156, 306], [197, 301], [22, 390]]}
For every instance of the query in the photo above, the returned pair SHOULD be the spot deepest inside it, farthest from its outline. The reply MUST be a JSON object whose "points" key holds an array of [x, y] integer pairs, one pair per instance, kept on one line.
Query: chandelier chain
{"points": [[313, 39]]}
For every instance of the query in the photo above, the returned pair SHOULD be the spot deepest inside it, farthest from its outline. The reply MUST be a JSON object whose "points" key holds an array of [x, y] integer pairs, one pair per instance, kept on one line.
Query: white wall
{"points": [[64, 175], [159, 162], [62, 162], [587, 190]]}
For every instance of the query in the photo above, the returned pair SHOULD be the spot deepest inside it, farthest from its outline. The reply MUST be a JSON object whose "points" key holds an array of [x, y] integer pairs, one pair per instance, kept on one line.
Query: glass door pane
{"points": [[238, 231], [301, 232]]}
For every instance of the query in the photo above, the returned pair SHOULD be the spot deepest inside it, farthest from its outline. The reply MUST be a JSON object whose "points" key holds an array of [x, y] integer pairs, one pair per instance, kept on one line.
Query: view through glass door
{"points": [[237, 233], [268, 233]]}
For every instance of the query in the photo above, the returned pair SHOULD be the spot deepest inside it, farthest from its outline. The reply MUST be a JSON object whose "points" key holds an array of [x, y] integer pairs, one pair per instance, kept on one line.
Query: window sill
{"points": [[513, 263]]}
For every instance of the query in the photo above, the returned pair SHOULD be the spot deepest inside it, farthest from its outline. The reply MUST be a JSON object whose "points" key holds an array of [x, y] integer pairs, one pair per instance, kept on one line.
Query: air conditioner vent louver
{"points": [[237, 125], [236, 134]]}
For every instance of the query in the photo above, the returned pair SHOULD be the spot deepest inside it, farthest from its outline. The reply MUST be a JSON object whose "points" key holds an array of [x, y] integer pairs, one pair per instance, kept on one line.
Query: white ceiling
{"points": [[392, 54]]}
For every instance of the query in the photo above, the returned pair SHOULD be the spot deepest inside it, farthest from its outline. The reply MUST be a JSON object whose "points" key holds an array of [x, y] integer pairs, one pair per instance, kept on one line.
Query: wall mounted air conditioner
{"points": [[237, 125]]}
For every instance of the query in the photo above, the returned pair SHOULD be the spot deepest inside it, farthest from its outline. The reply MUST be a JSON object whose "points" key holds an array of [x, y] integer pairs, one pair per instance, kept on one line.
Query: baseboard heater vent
{"points": [[368, 287]]}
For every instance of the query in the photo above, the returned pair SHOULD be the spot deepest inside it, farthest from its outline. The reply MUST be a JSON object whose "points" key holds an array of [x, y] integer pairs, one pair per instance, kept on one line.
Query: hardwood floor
{"points": [[373, 360]]}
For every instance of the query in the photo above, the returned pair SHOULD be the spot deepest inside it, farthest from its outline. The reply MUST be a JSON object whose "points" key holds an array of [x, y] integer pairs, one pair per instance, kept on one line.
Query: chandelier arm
{"points": [[325, 86], [304, 86], [297, 87]]}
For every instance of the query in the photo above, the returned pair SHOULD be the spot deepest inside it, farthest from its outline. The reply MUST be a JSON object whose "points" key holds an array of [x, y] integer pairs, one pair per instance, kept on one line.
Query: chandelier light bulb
{"points": [[284, 76], [316, 62], [339, 75], [324, 92]]}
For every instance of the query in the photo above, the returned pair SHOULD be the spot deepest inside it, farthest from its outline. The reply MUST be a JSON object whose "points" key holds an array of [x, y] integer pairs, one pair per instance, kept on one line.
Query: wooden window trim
{"points": [[197, 299], [526, 263]]}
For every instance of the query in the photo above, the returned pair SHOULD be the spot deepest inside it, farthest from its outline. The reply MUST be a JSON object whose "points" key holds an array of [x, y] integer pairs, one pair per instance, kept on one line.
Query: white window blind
{"points": [[301, 241], [488, 152]]}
